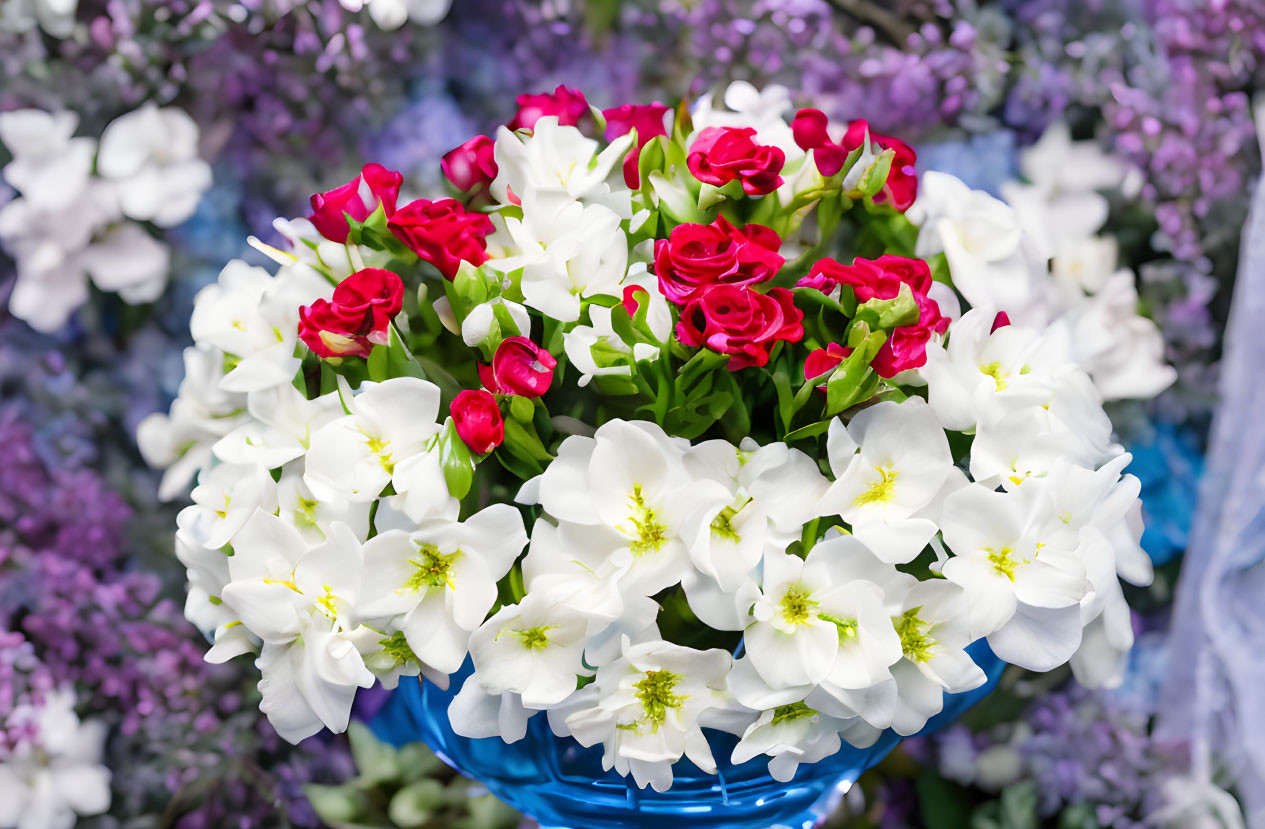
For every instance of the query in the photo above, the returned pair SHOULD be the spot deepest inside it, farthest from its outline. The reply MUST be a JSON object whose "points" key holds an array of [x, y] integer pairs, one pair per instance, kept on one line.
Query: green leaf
{"points": [[851, 380], [457, 463], [876, 176], [890, 313], [812, 430], [521, 409], [337, 805], [400, 362], [375, 759], [416, 803], [377, 364]]}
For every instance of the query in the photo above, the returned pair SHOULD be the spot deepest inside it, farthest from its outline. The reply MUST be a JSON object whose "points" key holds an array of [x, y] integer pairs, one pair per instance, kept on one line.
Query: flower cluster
{"points": [[69, 224], [786, 419]]}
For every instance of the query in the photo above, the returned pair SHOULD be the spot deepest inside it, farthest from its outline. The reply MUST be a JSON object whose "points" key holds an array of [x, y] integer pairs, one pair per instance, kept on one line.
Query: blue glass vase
{"points": [[562, 785]]}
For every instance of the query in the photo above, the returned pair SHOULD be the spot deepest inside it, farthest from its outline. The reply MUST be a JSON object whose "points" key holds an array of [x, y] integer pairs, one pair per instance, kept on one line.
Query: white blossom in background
{"points": [[150, 157], [392, 14], [68, 227], [52, 780]]}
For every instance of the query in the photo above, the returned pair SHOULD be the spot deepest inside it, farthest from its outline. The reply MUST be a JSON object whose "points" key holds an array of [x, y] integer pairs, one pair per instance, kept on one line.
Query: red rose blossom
{"points": [[478, 420], [443, 233], [357, 316], [472, 166], [568, 104], [740, 322], [906, 345], [720, 155], [810, 131], [519, 367], [694, 257], [647, 120], [357, 198]]}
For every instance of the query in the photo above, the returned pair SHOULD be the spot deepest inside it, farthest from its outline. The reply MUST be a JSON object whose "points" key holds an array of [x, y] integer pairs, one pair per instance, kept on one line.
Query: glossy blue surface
{"points": [[562, 785]]}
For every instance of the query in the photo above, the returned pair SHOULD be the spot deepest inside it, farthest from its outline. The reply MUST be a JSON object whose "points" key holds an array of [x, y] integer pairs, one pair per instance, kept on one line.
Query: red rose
{"points": [[901, 188], [740, 322], [472, 166], [720, 155], [906, 345], [356, 318], [696, 256], [519, 367], [820, 361], [568, 104], [478, 420], [647, 120], [869, 279], [1000, 321], [357, 198], [443, 233]]}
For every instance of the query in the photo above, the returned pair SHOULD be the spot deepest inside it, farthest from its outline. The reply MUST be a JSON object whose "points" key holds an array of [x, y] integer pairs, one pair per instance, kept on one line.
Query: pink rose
{"points": [[810, 131], [472, 166], [694, 257], [647, 120], [740, 322], [443, 233], [720, 155], [357, 316], [478, 420], [358, 198], [566, 103], [519, 367]]}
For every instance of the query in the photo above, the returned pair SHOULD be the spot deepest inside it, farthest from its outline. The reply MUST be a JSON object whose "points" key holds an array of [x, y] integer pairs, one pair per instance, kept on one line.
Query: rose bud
{"points": [[720, 155], [478, 420], [374, 291], [821, 360], [358, 198], [569, 105], [472, 166], [519, 367], [443, 233], [647, 120]]}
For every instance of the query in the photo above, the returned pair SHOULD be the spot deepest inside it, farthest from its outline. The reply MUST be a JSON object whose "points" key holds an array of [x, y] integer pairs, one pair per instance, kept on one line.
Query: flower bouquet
{"points": [[707, 449]]}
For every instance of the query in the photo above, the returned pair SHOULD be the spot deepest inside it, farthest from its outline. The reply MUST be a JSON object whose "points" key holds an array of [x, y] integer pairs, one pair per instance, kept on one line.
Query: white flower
{"points": [[933, 634], [50, 168], [597, 351], [389, 436], [130, 262], [253, 318], [477, 325], [565, 251], [623, 493], [980, 236], [882, 490], [201, 414], [437, 584], [1024, 586], [790, 735], [56, 778], [1121, 350], [534, 649], [392, 14], [313, 517], [227, 496], [559, 164], [280, 428], [644, 708], [151, 156], [816, 621], [298, 599], [980, 375], [55, 17]]}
